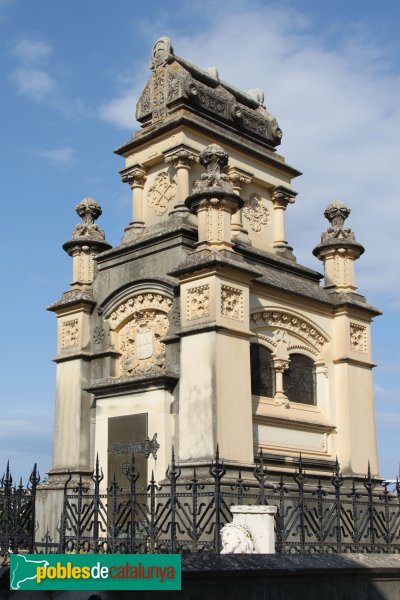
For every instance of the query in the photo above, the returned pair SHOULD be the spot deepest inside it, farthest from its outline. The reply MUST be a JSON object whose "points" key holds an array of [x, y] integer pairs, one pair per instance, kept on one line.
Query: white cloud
{"points": [[33, 83], [121, 110], [60, 156], [31, 51]]}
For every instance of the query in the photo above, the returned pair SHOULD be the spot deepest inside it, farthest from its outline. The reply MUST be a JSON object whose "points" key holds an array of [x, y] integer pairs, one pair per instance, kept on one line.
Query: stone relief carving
{"points": [[161, 52], [358, 338], [140, 343], [215, 227], [161, 193], [256, 213], [346, 271], [70, 333], [99, 334], [159, 95], [152, 301], [301, 348], [232, 303], [176, 316], [290, 322], [86, 265], [236, 539], [198, 302]]}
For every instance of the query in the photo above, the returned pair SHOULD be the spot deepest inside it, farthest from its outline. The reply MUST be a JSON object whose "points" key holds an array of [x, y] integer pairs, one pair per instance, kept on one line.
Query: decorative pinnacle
{"points": [[214, 159], [161, 52], [337, 212], [89, 211]]}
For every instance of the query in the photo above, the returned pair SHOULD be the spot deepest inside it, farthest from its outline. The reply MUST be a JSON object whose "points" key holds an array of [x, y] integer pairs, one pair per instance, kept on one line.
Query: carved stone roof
{"points": [[71, 297], [176, 83]]}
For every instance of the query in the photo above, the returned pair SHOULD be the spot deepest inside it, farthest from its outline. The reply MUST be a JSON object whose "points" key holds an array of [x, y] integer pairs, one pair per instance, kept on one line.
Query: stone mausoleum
{"points": [[200, 328]]}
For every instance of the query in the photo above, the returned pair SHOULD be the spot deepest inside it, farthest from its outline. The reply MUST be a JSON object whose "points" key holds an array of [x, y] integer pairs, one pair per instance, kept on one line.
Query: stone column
{"points": [[182, 158], [280, 366], [136, 177], [239, 179], [71, 445], [281, 197]]}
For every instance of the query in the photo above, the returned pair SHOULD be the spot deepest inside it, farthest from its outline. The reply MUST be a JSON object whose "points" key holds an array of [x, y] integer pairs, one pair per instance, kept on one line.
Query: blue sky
{"points": [[70, 76]]}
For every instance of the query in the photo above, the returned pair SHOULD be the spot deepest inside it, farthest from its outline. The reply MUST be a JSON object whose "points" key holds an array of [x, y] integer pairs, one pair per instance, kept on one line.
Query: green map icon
{"points": [[23, 569]]}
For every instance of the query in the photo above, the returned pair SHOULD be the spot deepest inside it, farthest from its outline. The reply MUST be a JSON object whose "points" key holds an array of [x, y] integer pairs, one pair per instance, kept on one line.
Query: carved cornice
{"points": [[282, 196], [135, 176]]}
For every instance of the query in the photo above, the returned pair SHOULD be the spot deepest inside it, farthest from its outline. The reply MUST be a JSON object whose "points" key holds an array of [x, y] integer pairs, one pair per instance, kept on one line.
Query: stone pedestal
{"points": [[259, 521]]}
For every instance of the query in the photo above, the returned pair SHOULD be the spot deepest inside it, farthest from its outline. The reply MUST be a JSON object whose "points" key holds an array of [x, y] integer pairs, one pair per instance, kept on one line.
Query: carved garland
{"points": [[273, 318]]}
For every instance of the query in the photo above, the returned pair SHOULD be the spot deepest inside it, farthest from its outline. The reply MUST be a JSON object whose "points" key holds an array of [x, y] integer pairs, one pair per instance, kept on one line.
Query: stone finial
{"points": [[89, 211], [161, 52], [337, 212], [214, 159], [338, 249]]}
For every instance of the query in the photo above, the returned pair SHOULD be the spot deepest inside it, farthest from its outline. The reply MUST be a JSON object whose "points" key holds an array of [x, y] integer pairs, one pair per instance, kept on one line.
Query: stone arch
{"points": [[313, 338], [138, 322]]}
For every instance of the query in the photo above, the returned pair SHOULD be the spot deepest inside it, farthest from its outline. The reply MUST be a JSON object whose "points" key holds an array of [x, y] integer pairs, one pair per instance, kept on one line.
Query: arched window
{"points": [[299, 380], [262, 371]]}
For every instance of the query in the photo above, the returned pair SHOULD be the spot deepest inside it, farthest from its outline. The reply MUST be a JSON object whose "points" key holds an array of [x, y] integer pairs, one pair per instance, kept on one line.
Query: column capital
{"points": [[135, 176], [283, 196], [280, 364], [181, 156], [238, 178]]}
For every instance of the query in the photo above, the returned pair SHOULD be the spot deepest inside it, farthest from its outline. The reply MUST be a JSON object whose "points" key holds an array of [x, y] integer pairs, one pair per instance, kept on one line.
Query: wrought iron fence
{"points": [[186, 513], [17, 513]]}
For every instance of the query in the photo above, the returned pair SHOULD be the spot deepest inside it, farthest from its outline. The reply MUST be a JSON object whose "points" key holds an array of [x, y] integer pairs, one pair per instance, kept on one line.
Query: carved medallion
{"points": [[162, 192], [140, 343], [256, 213]]}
